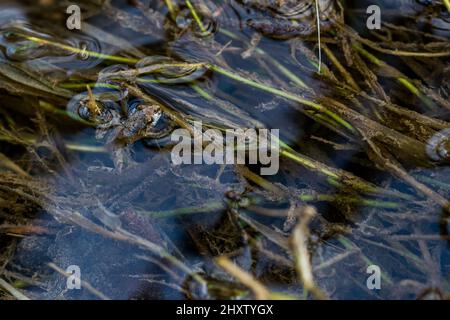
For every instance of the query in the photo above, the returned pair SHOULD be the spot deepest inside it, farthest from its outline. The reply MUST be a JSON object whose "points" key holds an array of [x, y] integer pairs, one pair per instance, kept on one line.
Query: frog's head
{"points": [[144, 120]]}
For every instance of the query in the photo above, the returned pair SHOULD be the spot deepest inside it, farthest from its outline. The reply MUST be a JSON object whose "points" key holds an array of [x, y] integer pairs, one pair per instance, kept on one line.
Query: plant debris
{"points": [[85, 150]]}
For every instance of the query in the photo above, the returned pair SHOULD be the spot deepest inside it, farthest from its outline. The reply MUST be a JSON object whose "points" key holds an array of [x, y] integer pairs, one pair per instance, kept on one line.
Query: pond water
{"points": [[87, 178]]}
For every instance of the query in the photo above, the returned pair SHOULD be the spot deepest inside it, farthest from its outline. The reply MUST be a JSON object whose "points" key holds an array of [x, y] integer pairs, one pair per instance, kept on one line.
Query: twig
{"points": [[8, 163], [259, 290], [414, 237], [299, 247], [447, 4], [81, 51], [318, 35], [284, 94], [84, 284], [374, 46], [13, 291], [196, 17]]}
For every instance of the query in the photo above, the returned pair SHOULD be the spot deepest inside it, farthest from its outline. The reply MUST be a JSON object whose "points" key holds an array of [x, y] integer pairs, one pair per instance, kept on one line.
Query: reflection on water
{"points": [[86, 175]]}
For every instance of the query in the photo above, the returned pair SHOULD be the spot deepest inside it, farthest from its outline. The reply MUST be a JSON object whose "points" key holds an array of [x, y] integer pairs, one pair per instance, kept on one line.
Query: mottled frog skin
{"points": [[141, 123], [120, 123], [289, 18]]}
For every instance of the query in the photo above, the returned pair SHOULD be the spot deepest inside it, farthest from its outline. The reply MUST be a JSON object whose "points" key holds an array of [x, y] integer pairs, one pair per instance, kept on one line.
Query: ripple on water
{"points": [[102, 111], [21, 42]]}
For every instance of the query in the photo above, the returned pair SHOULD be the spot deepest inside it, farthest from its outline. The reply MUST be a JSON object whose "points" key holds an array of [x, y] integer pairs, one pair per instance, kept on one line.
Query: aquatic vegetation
{"points": [[85, 141]]}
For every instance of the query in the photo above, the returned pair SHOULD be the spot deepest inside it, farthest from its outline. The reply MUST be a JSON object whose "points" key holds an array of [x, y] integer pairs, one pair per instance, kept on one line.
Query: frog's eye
{"points": [[155, 117], [139, 105], [95, 106], [104, 113], [134, 106], [99, 111]]}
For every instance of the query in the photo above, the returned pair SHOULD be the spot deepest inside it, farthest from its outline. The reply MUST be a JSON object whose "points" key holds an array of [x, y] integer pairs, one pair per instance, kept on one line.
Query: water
{"points": [[86, 174]]}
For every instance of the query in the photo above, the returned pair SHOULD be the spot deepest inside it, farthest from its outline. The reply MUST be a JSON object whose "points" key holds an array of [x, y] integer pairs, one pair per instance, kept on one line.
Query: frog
{"points": [[120, 123], [289, 18], [142, 121]]}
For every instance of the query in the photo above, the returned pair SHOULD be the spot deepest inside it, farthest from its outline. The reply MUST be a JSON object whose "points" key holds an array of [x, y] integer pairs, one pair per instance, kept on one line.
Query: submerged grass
{"points": [[350, 144]]}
